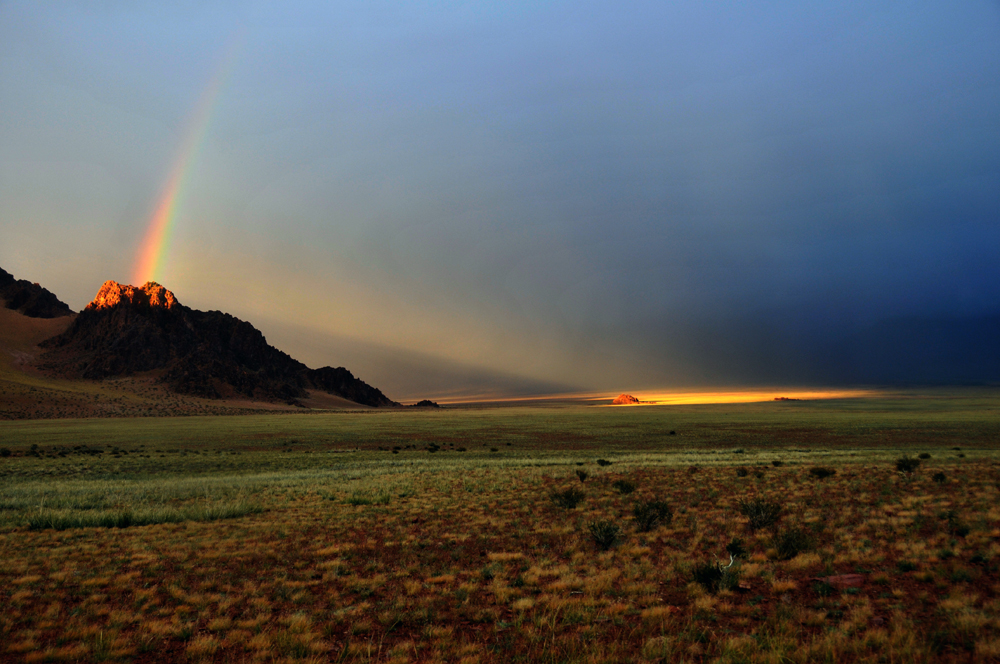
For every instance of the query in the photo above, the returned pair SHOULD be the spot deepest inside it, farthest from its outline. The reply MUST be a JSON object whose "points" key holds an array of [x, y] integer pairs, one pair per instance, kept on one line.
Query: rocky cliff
{"points": [[127, 330]]}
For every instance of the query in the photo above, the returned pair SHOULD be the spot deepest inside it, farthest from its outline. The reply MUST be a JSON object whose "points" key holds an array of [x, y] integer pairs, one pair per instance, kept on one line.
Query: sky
{"points": [[520, 198]]}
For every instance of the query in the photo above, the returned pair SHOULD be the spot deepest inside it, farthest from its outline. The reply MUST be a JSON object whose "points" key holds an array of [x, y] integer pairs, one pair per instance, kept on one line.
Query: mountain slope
{"points": [[128, 330], [30, 299]]}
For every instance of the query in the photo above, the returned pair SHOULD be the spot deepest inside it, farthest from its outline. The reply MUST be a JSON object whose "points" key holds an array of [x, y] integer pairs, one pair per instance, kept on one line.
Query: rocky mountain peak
{"points": [[151, 294]]}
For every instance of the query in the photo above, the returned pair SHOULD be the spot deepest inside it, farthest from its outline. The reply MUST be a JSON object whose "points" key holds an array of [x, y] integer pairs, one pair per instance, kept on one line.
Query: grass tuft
{"points": [[568, 498], [760, 512], [604, 533], [822, 472], [792, 541], [624, 487], [651, 513]]}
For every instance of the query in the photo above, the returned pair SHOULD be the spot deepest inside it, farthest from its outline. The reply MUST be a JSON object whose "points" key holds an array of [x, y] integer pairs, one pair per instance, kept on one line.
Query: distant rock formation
{"points": [[426, 403], [624, 399], [128, 330], [30, 299]]}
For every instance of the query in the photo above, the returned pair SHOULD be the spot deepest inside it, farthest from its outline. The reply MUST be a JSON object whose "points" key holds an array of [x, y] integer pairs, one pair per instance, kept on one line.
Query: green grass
{"points": [[165, 466], [125, 518]]}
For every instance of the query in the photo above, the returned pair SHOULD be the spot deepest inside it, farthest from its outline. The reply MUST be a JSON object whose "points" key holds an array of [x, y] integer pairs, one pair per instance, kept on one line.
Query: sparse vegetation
{"points": [[603, 462], [582, 475], [568, 498], [760, 512], [624, 487], [604, 533], [907, 464], [791, 541], [956, 526], [651, 513], [714, 577], [359, 555], [822, 472]]}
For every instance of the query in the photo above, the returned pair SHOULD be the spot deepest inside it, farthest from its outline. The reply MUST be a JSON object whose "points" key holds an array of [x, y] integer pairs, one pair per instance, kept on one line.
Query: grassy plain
{"points": [[404, 536]]}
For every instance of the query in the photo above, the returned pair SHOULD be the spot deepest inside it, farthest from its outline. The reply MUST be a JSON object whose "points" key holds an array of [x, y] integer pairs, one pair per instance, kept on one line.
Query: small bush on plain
{"points": [[713, 577], [761, 512], [603, 462], [821, 472], [907, 464], [604, 534], [568, 498], [582, 474], [790, 542], [736, 548], [956, 526], [624, 487], [651, 513]]}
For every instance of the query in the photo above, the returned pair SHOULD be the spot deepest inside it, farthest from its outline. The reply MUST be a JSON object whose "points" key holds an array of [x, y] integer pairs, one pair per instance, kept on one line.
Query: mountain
{"points": [[30, 299], [128, 330]]}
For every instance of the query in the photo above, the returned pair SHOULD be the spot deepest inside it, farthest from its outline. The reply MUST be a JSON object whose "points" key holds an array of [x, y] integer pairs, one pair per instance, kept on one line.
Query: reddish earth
{"points": [[624, 399]]}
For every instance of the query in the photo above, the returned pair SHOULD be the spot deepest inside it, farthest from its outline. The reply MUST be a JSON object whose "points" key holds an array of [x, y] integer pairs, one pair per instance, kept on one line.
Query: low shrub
{"points": [[624, 487], [735, 548], [792, 541], [582, 474], [604, 534], [369, 498], [821, 472], [651, 513], [956, 526], [777, 464], [742, 472], [907, 464], [940, 478], [568, 498], [923, 455], [713, 577], [760, 512], [603, 462]]}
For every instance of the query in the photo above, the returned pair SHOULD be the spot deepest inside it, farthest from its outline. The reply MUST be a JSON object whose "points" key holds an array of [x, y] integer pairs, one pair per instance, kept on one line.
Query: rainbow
{"points": [[155, 245]]}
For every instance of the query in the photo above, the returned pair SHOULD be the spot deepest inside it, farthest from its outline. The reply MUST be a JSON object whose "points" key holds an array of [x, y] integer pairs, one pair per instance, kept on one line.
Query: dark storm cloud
{"points": [[652, 194]]}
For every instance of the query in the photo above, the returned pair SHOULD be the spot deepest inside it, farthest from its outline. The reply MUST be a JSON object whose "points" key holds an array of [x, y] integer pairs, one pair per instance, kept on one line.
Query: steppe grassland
{"points": [[348, 549]]}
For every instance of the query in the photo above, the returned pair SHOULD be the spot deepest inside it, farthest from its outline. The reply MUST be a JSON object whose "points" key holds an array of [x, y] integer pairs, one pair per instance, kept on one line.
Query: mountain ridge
{"points": [[30, 299], [128, 330]]}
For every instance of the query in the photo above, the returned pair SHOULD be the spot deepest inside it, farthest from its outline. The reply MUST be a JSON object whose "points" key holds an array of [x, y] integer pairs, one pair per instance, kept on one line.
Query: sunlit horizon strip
{"points": [[677, 397], [156, 242]]}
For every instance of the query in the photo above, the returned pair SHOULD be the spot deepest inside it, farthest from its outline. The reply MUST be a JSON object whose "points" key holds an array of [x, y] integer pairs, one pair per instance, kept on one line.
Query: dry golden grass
{"points": [[470, 560]]}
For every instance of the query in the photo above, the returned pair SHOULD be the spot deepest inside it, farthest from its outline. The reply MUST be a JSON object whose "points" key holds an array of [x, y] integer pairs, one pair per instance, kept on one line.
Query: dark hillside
{"points": [[30, 299], [128, 330]]}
